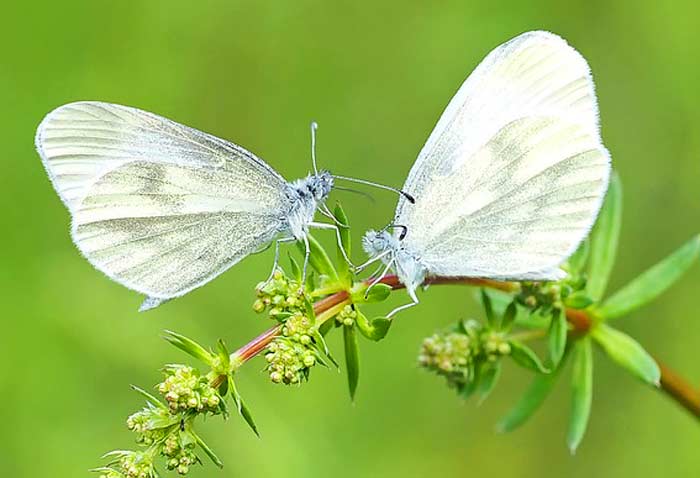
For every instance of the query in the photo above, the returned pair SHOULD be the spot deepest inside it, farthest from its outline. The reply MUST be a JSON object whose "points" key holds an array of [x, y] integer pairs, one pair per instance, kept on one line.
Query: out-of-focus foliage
{"points": [[375, 76]]}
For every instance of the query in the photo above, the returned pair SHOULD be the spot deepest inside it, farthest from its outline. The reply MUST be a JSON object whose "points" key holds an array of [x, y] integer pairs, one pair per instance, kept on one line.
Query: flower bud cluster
{"points": [[281, 296], [456, 354], [494, 345], [544, 296], [142, 422], [291, 355], [185, 389], [450, 355], [347, 316], [179, 453], [549, 296], [131, 464]]}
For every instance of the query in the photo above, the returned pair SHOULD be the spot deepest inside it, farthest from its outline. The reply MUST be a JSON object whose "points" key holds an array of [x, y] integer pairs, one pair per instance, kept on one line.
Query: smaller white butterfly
{"points": [[512, 177], [163, 208]]}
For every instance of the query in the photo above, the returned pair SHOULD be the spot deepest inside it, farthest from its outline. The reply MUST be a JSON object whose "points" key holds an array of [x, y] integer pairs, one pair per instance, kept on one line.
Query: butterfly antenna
{"points": [[314, 127], [355, 191], [377, 185]]}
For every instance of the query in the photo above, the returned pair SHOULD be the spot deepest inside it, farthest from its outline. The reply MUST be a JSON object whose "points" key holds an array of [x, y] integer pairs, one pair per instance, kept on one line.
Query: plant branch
{"points": [[672, 384]]}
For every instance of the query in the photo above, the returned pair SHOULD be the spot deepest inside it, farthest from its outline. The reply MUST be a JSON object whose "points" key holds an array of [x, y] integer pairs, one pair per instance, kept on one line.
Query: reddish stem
{"points": [[672, 384]]}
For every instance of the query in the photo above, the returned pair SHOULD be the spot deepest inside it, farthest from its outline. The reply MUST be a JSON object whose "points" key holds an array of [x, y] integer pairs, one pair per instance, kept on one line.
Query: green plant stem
{"points": [[672, 384]]}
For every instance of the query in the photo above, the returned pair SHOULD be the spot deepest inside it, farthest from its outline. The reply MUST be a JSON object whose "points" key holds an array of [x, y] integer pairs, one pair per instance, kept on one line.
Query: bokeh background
{"points": [[375, 75]]}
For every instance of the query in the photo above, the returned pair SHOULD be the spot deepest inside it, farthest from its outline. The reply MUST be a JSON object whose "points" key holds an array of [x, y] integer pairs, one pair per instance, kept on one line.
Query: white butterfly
{"points": [[512, 177], [163, 208]]}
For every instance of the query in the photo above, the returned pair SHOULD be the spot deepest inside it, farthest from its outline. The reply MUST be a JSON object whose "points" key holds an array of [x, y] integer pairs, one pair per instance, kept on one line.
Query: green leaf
{"points": [[556, 337], [378, 293], [189, 346], [352, 358], [582, 392], [294, 268], [224, 355], [209, 452], [318, 258], [468, 389], [531, 400], [243, 410], [489, 378], [320, 341], [150, 398], [604, 240], [488, 309], [375, 330], [501, 302], [578, 300], [525, 357], [509, 315], [627, 352], [578, 259], [344, 228], [651, 283]]}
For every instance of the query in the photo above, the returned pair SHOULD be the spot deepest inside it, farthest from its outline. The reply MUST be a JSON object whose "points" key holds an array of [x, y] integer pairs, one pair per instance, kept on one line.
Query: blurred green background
{"points": [[375, 75]]}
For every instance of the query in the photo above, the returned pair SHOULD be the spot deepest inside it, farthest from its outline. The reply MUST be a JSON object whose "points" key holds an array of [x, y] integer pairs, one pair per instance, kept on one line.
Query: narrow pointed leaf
{"points": [[489, 378], [652, 283], [556, 338], [582, 392], [248, 417], [468, 389], [318, 258], [578, 259], [149, 398], [604, 240], [224, 355], [531, 400], [508, 318], [488, 309], [294, 268], [526, 357], [501, 302], [209, 452], [352, 358], [243, 410], [627, 352], [189, 346]]}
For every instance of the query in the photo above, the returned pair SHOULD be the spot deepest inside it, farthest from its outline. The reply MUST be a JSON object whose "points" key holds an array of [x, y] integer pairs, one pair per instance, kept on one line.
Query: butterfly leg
{"points": [[378, 278], [403, 307], [307, 253], [372, 260], [322, 225], [277, 258]]}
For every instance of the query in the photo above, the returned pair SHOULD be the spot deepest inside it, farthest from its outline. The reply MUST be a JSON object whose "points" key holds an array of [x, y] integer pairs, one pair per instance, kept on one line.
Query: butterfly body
{"points": [[163, 208]]}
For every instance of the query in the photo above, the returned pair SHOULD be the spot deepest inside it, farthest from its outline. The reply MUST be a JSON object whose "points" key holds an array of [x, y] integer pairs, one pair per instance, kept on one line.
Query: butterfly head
{"points": [[380, 243], [319, 185]]}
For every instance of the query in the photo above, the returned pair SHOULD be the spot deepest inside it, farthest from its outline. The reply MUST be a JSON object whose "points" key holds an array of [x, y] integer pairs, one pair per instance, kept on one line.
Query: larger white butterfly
{"points": [[163, 208], [512, 177]]}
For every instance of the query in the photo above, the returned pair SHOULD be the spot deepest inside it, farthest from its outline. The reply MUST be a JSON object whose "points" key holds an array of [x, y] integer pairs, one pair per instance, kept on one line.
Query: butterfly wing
{"points": [[80, 141], [511, 179], [159, 207]]}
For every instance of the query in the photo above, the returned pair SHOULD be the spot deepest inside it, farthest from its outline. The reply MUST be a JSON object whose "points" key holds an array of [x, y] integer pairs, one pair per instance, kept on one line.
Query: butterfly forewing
{"points": [[511, 179], [520, 211], [157, 206], [79, 142], [534, 74]]}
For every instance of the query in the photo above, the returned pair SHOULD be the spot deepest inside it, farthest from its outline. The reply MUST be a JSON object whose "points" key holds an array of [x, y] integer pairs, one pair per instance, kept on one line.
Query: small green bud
{"points": [[258, 306], [504, 348]]}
